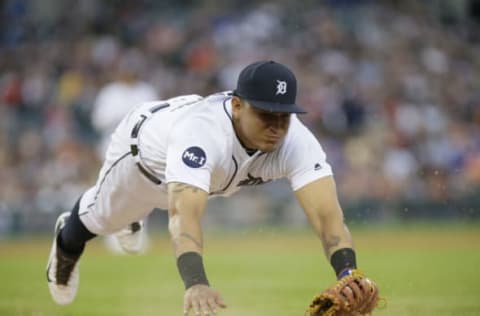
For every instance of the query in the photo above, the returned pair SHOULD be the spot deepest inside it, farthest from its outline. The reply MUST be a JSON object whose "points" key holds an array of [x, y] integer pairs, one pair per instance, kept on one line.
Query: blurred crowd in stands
{"points": [[392, 89]]}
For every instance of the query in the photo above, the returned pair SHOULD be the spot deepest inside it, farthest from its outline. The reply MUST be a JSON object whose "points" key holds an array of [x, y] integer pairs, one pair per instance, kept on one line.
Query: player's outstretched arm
{"points": [[320, 202], [186, 205], [353, 293]]}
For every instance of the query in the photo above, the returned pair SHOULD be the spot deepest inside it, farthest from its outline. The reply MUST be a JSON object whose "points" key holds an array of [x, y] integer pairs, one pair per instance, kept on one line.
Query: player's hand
{"points": [[203, 300]]}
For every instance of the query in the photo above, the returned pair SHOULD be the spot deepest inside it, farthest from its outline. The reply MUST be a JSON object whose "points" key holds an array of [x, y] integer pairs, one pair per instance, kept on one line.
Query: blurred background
{"points": [[392, 90]]}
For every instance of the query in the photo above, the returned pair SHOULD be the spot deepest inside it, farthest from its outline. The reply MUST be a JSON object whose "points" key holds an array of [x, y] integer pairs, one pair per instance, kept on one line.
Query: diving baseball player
{"points": [[178, 153]]}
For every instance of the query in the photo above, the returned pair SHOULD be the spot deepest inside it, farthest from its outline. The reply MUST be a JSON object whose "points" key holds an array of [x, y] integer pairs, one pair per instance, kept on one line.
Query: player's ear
{"points": [[237, 105], [236, 101]]}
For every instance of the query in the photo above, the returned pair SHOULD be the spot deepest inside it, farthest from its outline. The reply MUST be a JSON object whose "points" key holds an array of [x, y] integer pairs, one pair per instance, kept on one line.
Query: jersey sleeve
{"points": [[192, 154], [305, 159]]}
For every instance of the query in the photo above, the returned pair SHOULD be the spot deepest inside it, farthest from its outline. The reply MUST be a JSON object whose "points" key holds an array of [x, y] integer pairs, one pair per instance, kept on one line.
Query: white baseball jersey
{"points": [[189, 139]]}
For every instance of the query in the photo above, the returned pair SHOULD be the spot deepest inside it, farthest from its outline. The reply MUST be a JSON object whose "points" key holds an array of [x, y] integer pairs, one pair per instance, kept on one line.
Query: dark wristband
{"points": [[343, 260], [190, 266]]}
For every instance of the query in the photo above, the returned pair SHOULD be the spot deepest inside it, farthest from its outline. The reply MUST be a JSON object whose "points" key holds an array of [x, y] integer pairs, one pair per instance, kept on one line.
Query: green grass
{"points": [[421, 270]]}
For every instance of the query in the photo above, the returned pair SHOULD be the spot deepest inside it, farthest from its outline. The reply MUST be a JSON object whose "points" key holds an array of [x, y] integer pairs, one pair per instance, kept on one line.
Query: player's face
{"points": [[259, 129]]}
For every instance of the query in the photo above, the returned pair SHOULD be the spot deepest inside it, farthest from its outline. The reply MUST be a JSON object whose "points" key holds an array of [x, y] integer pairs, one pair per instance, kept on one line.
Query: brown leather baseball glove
{"points": [[352, 295]]}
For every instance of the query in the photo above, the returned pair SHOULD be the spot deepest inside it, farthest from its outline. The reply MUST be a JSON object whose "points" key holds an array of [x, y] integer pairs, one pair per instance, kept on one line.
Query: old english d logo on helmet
{"points": [[281, 87]]}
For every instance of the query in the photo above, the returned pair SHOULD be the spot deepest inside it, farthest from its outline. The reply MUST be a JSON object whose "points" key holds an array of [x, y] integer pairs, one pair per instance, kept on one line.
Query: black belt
{"points": [[147, 174], [134, 147]]}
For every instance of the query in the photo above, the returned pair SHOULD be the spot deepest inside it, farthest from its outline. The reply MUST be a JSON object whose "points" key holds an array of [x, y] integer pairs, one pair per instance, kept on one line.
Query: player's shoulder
{"points": [[219, 97], [184, 100], [206, 119], [298, 137], [297, 128], [211, 110]]}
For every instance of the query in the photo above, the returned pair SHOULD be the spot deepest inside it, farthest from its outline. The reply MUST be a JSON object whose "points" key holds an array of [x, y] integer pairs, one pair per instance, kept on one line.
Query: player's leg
{"points": [[121, 196], [130, 240], [72, 232], [68, 244], [106, 208], [133, 238]]}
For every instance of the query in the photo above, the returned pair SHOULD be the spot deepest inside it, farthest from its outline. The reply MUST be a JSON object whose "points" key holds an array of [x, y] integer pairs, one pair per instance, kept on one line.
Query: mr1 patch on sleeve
{"points": [[194, 157]]}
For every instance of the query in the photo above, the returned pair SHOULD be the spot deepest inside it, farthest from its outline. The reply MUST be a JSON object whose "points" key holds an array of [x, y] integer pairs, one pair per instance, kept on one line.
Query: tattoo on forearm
{"points": [[197, 243], [180, 187], [330, 241]]}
